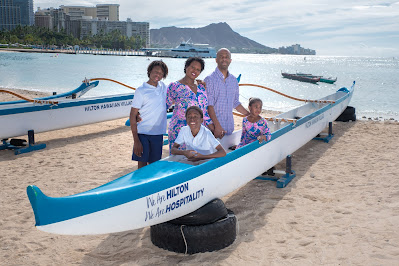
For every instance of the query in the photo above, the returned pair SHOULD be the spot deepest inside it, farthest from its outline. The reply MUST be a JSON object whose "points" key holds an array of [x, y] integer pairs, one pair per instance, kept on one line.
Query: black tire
{"points": [[346, 117], [349, 114], [195, 239], [349, 110], [207, 214], [18, 142]]}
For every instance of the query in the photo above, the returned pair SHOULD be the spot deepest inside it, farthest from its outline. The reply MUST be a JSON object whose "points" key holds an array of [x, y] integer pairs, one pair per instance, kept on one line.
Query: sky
{"points": [[331, 27]]}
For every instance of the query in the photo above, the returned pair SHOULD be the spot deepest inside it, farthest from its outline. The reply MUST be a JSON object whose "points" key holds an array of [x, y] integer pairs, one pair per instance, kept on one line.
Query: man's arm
{"points": [[211, 91], [219, 131], [242, 110]]}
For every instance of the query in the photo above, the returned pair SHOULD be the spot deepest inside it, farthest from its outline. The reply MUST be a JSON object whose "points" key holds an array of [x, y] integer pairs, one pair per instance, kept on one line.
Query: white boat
{"points": [[168, 189], [186, 50], [18, 119]]}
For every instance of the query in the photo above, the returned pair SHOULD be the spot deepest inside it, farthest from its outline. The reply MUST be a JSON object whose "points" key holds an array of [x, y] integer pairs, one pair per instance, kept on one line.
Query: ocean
{"points": [[376, 91]]}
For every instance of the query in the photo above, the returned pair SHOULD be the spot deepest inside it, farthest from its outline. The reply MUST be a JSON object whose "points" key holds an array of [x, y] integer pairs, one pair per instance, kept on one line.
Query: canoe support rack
{"points": [[18, 145], [327, 136], [284, 179]]}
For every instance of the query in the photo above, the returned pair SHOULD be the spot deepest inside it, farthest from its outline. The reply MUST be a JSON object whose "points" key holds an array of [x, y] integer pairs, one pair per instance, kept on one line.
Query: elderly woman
{"points": [[185, 93]]}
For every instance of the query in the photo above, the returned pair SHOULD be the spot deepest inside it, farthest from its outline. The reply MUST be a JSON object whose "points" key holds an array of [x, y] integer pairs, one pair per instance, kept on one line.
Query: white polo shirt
{"points": [[151, 102], [204, 143]]}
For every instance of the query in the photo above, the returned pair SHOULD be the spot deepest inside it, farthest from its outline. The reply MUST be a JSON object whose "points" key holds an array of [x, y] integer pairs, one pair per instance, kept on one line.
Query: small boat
{"points": [[46, 115], [167, 189], [300, 77], [329, 80], [76, 93]]}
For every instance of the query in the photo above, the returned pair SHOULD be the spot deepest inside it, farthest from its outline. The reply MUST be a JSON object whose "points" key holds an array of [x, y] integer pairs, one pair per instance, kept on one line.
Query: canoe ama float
{"points": [[169, 189], [78, 92]]}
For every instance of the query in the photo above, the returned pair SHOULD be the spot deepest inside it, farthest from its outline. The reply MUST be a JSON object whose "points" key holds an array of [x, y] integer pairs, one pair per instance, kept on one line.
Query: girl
{"points": [[254, 127]]}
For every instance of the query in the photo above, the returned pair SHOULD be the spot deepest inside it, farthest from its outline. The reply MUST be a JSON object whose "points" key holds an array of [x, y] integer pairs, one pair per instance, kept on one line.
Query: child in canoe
{"points": [[200, 142], [254, 127]]}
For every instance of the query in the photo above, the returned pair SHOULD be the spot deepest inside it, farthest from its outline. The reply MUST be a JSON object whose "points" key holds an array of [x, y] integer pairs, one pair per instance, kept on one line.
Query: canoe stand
{"points": [[18, 150], [327, 136], [284, 179], [289, 174]]}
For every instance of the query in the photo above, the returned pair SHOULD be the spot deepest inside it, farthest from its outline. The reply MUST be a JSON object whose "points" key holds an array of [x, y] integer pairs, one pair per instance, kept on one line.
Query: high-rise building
{"points": [[26, 10], [128, 28], [51, 18], [43, 19], [74, 12], [15, 12], [10, 15], [108, 12]]}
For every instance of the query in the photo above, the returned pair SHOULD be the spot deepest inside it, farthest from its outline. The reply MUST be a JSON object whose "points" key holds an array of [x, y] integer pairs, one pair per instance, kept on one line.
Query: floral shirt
{"points": [[251, 131], [183, 97]]}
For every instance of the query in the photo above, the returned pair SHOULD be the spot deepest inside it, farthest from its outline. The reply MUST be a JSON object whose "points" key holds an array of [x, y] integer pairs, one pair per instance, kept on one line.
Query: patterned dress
{"points": [[251, 131], [183, 97]]}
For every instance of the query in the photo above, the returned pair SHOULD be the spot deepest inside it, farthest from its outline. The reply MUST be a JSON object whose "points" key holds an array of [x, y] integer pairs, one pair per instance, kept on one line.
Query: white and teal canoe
{"points": [[16, 119], [169, 189]]}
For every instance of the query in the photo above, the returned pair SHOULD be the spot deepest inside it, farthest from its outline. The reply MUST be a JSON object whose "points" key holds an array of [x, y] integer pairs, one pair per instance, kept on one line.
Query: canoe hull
{"points": [[166, 190]]}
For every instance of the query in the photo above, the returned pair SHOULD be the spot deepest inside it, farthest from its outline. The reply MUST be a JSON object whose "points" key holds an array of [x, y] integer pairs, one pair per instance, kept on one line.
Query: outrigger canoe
{"points": [[76, 93], [168, 189], [301, 78], [16, 119]]}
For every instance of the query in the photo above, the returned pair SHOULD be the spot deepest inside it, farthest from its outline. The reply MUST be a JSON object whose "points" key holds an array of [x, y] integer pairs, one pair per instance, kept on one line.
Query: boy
{"points": [[200, 142]]}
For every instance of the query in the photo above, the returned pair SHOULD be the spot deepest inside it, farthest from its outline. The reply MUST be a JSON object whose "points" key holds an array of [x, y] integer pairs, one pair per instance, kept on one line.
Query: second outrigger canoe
{"points": [[301, 78], [168, 189], [16, 119]]}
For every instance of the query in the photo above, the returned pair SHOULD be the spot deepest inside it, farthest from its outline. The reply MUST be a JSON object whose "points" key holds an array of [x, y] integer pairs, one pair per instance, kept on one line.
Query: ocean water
{"points": [[376, 91]]}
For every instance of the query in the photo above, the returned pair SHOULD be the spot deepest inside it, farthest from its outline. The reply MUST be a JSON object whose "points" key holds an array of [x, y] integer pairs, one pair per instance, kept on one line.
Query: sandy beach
{"points": [[341, 209]]}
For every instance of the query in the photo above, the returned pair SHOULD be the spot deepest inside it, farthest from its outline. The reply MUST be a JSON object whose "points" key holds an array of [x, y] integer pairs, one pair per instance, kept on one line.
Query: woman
{"points": [[185, 93]]}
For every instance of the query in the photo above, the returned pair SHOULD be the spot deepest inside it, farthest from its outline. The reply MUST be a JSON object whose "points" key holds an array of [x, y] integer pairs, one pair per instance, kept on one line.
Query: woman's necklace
{"points": [[192, 86]]}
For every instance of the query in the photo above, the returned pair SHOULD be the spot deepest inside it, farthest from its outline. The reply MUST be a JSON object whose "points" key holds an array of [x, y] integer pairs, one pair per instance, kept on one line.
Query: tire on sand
{"points": [[207, 214], [191, 239], [349, 114]]}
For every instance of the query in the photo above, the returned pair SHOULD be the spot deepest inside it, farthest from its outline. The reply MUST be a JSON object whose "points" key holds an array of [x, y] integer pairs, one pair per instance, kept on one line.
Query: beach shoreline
{"points": [[341, 208], [72, 52]]}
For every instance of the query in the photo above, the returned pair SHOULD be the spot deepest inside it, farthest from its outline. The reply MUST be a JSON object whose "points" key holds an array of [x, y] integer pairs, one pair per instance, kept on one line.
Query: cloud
{"points": [[313, 24]]}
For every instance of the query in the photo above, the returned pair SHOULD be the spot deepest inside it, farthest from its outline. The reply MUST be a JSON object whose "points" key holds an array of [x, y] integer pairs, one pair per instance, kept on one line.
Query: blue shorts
{"points": [[152, 148]]}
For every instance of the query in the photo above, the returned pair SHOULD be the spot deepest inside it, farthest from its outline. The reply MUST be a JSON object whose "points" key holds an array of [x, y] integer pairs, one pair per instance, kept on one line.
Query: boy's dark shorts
{"points": [[152, 148]]}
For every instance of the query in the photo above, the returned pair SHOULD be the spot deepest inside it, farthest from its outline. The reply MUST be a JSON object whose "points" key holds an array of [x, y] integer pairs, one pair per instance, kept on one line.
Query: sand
{"points": [[341, 209]]}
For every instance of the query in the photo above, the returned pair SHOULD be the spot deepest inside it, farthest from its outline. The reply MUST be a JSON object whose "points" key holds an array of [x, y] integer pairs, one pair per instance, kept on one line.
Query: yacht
{"points": [[185, 50]]}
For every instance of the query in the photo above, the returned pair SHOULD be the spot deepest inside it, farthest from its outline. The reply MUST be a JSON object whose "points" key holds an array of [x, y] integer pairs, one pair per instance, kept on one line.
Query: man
{"points": [[223, 95]]}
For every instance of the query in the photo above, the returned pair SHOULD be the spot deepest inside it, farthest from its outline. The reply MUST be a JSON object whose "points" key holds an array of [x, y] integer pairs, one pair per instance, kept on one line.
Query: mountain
{"points": [[216, 35]]}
